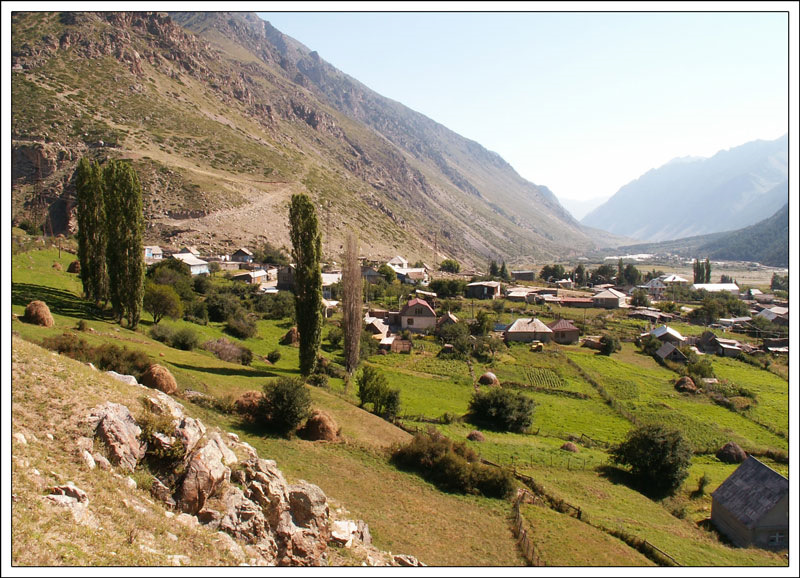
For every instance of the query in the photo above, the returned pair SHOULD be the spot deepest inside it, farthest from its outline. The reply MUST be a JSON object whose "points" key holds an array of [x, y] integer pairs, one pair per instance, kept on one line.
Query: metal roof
{"points": [[751, 491]]}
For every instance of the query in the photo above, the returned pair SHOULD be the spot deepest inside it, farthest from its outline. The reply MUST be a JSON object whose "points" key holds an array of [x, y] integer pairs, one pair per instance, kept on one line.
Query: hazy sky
{"points": [[582, 102]]}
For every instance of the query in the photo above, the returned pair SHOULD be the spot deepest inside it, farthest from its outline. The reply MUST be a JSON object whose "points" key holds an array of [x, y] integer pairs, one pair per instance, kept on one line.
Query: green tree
{"points": [[482, 324], [603, 274], [91, 230], [579, 275], [373, 388], [286, 403], [707, 271], [307, 253], [450, 265], [494, 270], [659, 458], [161, 301], [501, 409], [609, 344], [631, 275], [504, 274], [352, 324], [640, 298], [125, 248], [387, 273]]}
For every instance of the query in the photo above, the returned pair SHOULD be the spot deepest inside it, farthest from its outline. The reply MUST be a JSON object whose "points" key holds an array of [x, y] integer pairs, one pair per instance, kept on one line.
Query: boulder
{"points": [[129, 379], [190, 431], [117, 429], [158, 377], [161, 492], [731, 453], [38, 313], [204, 473], [405, 560]]}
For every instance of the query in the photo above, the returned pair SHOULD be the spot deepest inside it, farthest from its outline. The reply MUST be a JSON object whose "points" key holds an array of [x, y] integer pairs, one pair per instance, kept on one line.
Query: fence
{"points": [[526, 544]]}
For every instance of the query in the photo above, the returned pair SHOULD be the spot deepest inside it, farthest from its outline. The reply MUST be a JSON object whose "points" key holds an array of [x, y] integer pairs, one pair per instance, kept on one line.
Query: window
{"points": [[410, 321], [418, 311], [777, 538]]}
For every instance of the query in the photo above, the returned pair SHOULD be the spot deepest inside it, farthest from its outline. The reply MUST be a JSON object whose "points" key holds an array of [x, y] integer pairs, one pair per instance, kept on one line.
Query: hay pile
{"points": [[248, 403], [56, 265], [74, 267], [38, 313], [488, 378], [731, 453], [159, 377], [686, 385], [320, 426], [570, 447], [475, 436], [292, 337]]}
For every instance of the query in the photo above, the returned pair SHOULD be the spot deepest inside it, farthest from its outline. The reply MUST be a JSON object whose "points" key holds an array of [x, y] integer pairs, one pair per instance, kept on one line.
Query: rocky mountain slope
{"points": [[733, 189], [225, 117]]}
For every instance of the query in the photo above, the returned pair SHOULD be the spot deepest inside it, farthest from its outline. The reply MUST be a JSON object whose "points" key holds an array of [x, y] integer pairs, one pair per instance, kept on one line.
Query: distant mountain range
{"points": [[579, 208], [766, 242], [225, 117], [693, 196]]}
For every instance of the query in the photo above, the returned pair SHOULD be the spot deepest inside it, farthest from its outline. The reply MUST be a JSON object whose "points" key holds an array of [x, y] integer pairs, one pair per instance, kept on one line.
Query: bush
{"points": [[659, 458], [109, 357], [450, 265], [374, 389], [273, 356], [185, 339], [502, 410], [196, 312], [162, 333], [318, 380], [276, 305], [229, 351], [69, 345], [335, 335], [609, 344], [222, 306], [241, 327], [452, 467], [286, 403], [82, 325]]}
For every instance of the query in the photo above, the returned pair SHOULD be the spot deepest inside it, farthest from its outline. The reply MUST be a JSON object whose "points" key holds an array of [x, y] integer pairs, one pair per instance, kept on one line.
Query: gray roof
{"points": [[751, 491], [666, 350]]}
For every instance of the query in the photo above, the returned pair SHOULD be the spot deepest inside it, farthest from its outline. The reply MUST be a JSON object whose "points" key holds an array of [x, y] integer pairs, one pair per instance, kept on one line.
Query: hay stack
{"points": [[38, 313], [74, 267], [731, 453], [570, 447], [292, 337], [56, 265], [475, 436], [320, 426], [247, 404], [159, 377], [686, 385], [488, 378]]}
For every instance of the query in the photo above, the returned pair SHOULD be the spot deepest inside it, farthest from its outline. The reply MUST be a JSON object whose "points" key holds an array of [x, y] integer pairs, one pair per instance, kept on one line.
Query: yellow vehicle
{"points": [[536, 345]]}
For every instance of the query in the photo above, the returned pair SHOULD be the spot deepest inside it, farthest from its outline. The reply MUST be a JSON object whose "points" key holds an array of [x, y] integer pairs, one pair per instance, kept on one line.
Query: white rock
{"points": [[129, 379], [20, 439], [130, 482], [88, 460]]}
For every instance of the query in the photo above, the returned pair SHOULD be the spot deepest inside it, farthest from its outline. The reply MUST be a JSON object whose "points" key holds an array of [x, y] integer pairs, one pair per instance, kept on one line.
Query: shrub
{"points": [[273, 356], [335, 336], [609, 344], [185, 339], [109, 357], [162, 333], [68, 345], [82, 325], [286, 403], [222, 306], [248, 404], [241, 327], [196, 312], [374, 389], [318, 380], [229, 351], [160, 455], [658, 457], [450, 265], [502, 410], [452, 467]]}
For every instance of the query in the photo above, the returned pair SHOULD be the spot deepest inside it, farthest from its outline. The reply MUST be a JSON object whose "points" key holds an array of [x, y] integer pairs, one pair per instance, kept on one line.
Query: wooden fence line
{"points": [[526, 544], [659, 550]]}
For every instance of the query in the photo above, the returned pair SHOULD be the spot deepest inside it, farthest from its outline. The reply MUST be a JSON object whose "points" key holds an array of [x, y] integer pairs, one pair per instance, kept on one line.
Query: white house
{"points": [[717, 287], [152, 253], [196, 266]]}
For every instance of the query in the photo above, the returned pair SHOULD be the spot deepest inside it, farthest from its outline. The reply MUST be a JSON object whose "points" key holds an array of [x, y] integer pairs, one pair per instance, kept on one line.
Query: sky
{"points": [[581, 102]]}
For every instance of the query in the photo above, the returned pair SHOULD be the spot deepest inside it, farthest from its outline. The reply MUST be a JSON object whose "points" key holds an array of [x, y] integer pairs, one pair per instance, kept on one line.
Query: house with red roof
{"points": [[418, 316], [564, 332]]}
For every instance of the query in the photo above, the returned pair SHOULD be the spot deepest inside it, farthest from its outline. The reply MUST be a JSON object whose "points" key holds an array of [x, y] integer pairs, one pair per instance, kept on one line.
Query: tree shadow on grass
{"points": [[617, 475], [58, 301], [227, 371]]}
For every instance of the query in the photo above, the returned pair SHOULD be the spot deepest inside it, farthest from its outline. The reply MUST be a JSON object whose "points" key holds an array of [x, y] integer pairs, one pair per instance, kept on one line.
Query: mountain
{"points": [[225, 117], [690, 196], [766, 242], [579, 208]]}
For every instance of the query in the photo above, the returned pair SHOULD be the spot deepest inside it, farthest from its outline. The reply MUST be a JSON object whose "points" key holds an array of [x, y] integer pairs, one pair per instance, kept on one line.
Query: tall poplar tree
{"points": [[707, 271], [307, 253], [125, 249], [91, 230], [351, 303]]}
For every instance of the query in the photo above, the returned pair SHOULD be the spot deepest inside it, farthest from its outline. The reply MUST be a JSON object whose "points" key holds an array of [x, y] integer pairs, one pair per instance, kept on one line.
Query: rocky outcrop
{"points": [[118, 430]]}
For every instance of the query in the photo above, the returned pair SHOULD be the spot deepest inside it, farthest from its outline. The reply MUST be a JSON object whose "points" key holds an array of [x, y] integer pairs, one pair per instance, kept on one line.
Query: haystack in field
{"points": [[159, 377], [247, 404], [292, 337], [475, 436], [731, 453], [320, 426], [488, 378], [570, 447], [38, 313], [686, 385], [74, 267]]}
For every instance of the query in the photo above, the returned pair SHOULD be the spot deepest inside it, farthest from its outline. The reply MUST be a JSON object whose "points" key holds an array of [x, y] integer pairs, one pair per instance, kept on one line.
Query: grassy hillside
{"points": [[404, 513]]}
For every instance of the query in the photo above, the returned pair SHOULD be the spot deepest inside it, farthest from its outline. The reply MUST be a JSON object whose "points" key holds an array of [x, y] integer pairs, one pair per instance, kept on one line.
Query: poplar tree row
{"points": [[110, 237]]}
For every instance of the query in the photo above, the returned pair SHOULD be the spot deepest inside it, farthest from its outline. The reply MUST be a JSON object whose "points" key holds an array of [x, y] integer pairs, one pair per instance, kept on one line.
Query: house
{"points": [[242, 256], [652, 315], [445, 320], [609, 299], [329, 279], [655, 288], [398, 262], [370, 274], [577, 302], [518, 295], [732, 288], [565, 284], [417, 315], [564, 332], [666, 334], [728, 347], [672, 353], [428, 296], [483, 290], [751, 507], [286, 278], [523, 275], [152, 253], [412, 276], [252, 277], [196, 266], [190, 249], [673, 280], [376, 327], [527, 330], [775, 314]]}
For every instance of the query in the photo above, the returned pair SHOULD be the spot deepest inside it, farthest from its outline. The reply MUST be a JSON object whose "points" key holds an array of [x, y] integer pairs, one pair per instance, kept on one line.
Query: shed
{"points": [[732, 288], [483, 290], [527, 330], [672, 353], [751, 507], [564, 332], [666, 333], [523, 275], [609, 299], [242, 256]]}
